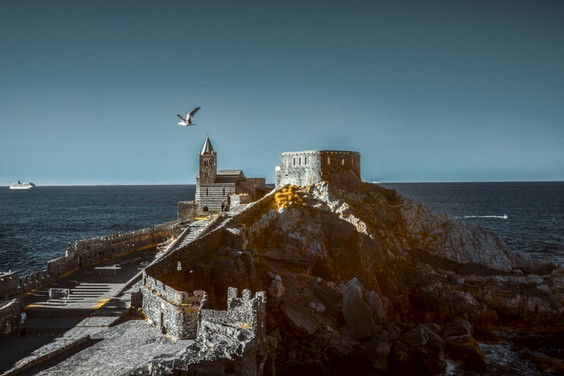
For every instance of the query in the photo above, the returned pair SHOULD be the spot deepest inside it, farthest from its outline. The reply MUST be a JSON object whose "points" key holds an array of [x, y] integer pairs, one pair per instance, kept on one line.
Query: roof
{"points": [[230, 172], [208, 148], [229, 176]]}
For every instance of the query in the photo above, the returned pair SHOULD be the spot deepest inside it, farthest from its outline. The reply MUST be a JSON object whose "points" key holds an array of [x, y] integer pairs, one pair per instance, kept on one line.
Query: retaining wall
{"points": [[10, 316], [91, 251]]}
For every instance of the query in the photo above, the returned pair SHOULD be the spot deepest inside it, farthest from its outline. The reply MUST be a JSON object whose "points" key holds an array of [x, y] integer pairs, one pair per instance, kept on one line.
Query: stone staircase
{"points": [[196, 228]]}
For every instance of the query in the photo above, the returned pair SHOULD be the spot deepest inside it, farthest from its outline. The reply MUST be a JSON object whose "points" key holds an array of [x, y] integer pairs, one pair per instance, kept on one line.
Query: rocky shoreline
{"points": [[361, 280]]}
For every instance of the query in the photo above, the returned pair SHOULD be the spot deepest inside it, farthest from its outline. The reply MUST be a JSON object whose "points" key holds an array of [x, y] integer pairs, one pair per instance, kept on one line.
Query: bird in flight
{"points": [[187, 121]]}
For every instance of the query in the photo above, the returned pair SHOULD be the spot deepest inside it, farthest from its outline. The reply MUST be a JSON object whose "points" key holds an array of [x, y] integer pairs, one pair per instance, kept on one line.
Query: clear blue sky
{"points": [[424, 90]]}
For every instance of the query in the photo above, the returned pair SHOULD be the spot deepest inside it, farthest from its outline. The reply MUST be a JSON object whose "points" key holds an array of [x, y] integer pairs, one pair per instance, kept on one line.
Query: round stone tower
{"points": [[309, 167]]}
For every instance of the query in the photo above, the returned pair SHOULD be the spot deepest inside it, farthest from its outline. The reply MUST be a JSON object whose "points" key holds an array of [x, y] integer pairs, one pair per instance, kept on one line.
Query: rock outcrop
{"points": [[359, 278]]}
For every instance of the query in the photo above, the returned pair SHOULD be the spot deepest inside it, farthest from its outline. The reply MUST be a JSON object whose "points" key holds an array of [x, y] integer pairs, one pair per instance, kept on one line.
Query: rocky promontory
{"points": [[361, 280]]}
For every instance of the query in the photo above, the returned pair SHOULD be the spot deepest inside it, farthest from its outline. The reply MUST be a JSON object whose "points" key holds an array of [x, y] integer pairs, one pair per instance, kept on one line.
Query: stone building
{"points": [[309, 167], [216, 190]]}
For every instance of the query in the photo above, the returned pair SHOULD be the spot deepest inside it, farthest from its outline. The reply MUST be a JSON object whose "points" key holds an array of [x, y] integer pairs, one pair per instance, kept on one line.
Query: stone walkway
{"points": [[48, 318]]}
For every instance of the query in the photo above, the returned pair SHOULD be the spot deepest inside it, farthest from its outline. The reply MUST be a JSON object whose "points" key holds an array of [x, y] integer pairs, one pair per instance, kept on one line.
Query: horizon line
{"points": [[272, 183]]}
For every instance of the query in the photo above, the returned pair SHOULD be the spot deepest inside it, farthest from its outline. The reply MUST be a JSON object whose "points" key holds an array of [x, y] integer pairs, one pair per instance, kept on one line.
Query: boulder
{"points": [[419, 351], [356, 312]]}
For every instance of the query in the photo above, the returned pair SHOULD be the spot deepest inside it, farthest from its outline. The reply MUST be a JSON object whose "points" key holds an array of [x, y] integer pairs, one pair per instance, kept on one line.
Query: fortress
{"points": [[309, 167]]}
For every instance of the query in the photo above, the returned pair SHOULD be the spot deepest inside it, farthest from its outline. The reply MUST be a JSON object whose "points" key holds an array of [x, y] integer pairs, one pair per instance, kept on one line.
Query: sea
{"points": [[36, 225]]}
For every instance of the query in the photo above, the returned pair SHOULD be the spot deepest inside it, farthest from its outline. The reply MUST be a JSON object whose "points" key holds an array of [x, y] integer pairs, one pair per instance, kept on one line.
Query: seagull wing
{"points": [[180, 116], [193, 112]]}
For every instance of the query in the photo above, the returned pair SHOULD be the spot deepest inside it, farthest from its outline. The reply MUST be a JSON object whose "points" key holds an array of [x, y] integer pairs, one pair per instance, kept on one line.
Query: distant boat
{"points": [[20, 185]]}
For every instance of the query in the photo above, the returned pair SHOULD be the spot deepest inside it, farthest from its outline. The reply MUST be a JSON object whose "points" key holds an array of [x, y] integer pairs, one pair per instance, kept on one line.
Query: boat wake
{"points": [[505, 216]]}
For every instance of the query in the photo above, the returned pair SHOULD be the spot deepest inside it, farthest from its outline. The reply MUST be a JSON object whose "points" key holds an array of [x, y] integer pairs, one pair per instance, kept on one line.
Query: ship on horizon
{"points": [[20, 185]]}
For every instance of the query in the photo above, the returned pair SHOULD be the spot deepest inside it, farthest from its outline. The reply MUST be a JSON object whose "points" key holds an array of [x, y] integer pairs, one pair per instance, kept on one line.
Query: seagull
{"points": [[187, 121]]}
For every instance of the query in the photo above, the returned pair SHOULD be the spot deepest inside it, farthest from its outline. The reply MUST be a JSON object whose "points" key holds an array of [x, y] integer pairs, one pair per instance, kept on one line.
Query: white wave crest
{"points": [[505, 216]]}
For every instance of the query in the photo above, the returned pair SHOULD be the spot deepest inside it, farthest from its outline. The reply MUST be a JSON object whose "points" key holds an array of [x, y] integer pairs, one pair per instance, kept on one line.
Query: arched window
{"points": [[352, 161], [305, 161], [294, 161], [207, 192], [205, 208], [300, 161], [224, 191], [343, 161], [328, 159], [178, 266]]}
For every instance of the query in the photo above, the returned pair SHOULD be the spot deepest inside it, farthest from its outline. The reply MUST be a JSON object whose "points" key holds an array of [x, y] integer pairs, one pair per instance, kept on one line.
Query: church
{"points": [[217, 190]]}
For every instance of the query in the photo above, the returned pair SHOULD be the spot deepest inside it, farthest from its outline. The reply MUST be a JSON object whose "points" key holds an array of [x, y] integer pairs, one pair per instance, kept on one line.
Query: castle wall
{"points": [[309, 167], [174, 312]]}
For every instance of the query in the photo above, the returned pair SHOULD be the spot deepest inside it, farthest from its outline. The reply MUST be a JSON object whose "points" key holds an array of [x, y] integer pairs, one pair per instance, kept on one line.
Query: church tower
{"points": [[208, 164]]}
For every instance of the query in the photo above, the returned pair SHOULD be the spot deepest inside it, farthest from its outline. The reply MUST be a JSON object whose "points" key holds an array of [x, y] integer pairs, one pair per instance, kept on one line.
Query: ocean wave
{"points": [[505, 216]]}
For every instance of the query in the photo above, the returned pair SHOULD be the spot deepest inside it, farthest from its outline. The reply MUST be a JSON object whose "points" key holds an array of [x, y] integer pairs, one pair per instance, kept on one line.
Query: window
{"points": [[300, 161], [343, 161], [328, 159], [205, 208], [352, 161], [294, 161], [207, 192], [178, 266], [224, 191], [305, 161], [205, 174]]}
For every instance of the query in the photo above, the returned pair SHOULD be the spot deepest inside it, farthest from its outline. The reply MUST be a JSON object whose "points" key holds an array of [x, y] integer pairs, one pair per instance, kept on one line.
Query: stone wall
{"points": [[8, 285], [174, 312], [187, 211], [213, 198], [91, 251], [10, 316], [244, 313], [310, 167]]}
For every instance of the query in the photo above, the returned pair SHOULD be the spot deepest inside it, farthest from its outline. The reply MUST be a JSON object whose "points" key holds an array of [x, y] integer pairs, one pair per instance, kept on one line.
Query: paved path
{"points": [[88, 290]]}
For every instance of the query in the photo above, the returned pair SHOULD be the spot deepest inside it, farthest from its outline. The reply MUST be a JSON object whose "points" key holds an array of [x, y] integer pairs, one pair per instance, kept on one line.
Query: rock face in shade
{"points": [[359, 274]]}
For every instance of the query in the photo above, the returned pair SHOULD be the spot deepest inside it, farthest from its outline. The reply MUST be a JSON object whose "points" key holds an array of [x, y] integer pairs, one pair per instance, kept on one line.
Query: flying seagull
{"points": [[187, 121]]}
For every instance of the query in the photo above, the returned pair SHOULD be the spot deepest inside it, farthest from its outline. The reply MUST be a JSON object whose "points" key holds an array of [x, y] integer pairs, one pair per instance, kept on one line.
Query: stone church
{"points": [[217, 190]]}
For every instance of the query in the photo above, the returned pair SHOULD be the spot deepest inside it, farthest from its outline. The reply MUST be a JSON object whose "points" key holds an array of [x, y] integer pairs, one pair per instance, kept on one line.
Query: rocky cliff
{"points": [[362, 280]]}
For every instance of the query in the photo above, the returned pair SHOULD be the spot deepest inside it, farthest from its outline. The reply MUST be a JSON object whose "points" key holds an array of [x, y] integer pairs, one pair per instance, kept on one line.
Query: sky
{"points": [[425, 90]]}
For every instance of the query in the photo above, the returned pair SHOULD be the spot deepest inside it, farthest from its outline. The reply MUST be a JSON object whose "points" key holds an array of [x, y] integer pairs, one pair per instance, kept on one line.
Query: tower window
{"points": [[224, 191], [206, 174], [343, 161], [305, 161], [206, 163], [294, 161], [328, 159], [300, 161], [207, 192]]}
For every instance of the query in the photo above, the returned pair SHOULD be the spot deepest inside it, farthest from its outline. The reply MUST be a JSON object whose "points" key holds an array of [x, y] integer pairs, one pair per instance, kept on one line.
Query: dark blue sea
{"points": [[36, 225], [529, 216]]}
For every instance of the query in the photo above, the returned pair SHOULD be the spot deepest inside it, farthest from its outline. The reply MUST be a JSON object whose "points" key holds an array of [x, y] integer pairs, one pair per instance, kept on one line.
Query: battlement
{"points": [[303, 168]]}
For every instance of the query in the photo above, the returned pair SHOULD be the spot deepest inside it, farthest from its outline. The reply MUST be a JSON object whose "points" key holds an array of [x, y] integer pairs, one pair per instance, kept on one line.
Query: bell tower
{"points": [[208, 164]]}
